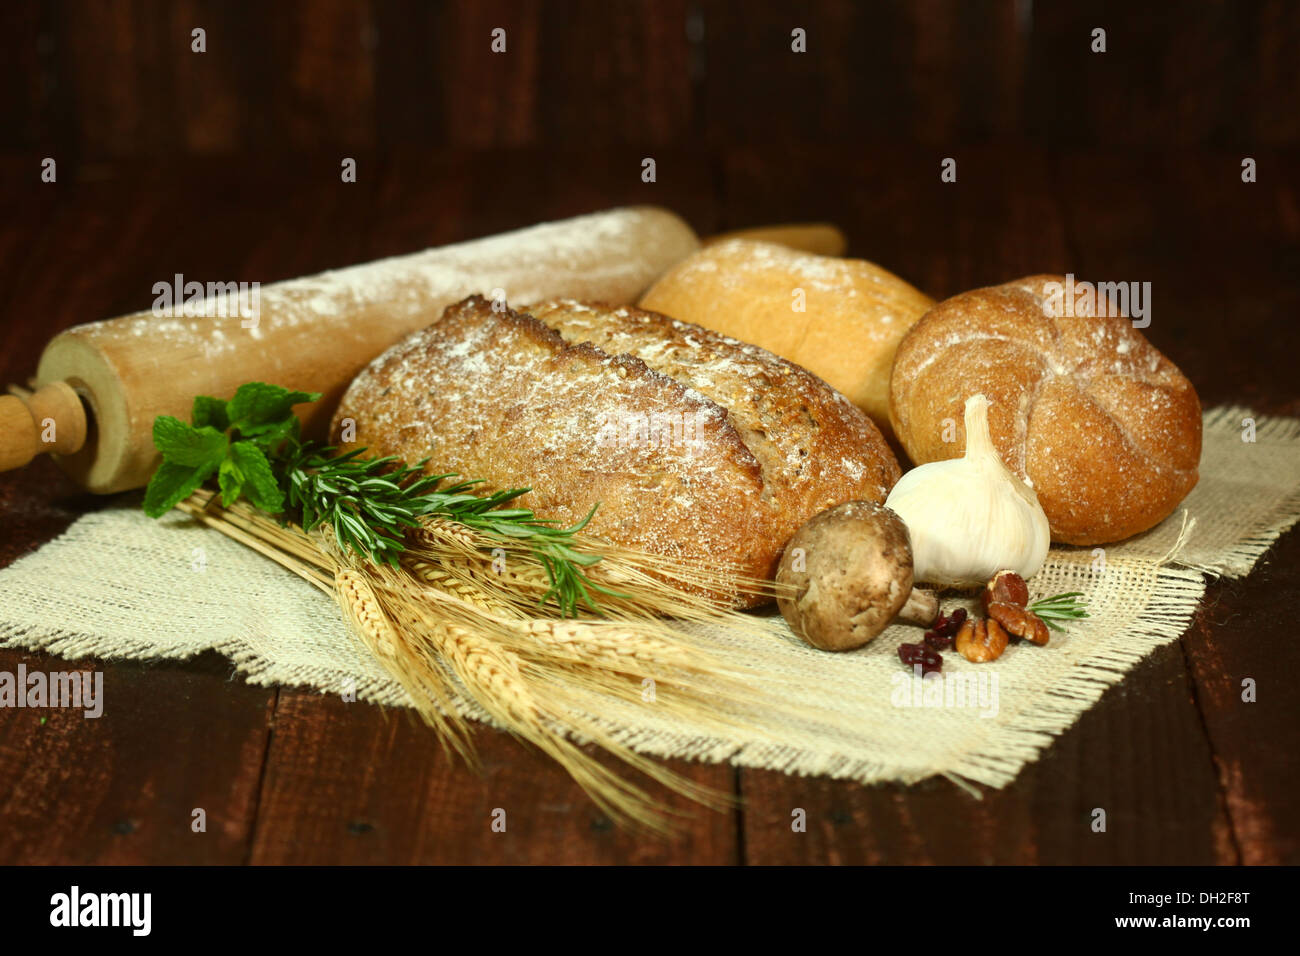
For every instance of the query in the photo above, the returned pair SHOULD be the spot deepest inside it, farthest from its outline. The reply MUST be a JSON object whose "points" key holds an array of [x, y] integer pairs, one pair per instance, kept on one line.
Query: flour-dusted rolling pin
{"points": [[99, 386]]}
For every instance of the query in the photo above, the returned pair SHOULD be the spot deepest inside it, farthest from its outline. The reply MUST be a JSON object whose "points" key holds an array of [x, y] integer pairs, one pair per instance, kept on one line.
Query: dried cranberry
{"points": [[938, 640], [926, 658], [910, 653], [955, 620]]}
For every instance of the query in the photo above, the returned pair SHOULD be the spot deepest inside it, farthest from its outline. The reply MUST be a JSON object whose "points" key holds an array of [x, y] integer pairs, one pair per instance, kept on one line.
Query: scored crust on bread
{"points": [[693, 445], [1104, 426], [801, 444]]}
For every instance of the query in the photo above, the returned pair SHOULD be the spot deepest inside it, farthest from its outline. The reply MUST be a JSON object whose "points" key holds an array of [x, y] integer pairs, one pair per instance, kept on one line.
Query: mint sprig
{"points": [[252, 445], [233, 440]]}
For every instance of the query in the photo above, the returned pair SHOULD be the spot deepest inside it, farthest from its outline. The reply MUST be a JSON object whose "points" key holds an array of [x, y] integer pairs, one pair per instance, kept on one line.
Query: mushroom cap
{"points": [[845, 574]]}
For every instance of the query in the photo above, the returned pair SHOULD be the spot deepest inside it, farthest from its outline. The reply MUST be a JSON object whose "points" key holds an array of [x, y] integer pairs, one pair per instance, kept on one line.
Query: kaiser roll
{"points": [[1105, 428]]}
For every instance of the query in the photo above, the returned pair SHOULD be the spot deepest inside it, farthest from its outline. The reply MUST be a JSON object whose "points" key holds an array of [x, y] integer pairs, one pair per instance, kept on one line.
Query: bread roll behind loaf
{"points": [[692, 444], [854, 313], [1104, 426]]}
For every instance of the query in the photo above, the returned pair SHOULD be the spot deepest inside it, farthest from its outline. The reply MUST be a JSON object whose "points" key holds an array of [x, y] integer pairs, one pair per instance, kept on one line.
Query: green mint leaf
{"points": [[259, 483], [183, 444], [210, 411], [230, 479], [171, 483], [257, 403], [272, 433]]}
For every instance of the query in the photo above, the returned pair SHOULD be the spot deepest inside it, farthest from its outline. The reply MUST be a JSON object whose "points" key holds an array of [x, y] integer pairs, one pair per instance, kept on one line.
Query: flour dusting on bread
{"points": [[692, 444]]}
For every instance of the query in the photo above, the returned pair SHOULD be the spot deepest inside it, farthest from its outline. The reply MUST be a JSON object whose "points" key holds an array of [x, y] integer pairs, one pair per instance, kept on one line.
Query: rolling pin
{"points": [[99, 386]]}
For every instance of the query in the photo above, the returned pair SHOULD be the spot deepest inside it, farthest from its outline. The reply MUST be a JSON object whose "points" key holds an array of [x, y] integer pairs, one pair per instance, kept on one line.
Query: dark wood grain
{"points": [[617, 68], [1221, 256], [1000, 220], [318, 60], [97, 80], [122, 788], [23, 76], [933, 72], [430, 196], [411, 88], [351, 783], [290, 75], [1120, 757], [1208, 73], [1253, 742], [115, 61]]}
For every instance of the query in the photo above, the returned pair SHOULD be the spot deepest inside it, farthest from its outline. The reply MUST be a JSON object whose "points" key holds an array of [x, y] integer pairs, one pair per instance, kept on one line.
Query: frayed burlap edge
{"points": [[1176, 586], [1239, 559]]}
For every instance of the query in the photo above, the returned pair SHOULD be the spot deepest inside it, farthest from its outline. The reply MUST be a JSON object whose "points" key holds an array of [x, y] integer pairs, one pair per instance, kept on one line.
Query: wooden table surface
{"points": [[1186, 771]]}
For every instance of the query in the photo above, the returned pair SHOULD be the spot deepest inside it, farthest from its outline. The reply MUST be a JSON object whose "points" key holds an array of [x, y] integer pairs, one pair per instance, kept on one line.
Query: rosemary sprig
{"points": [[251, 444], [1060, 607], [569, 586], [368, 502]]}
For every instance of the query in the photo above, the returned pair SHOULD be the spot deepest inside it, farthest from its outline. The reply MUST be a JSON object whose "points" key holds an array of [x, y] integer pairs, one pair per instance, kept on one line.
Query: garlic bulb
{"points": [[971, 517]]}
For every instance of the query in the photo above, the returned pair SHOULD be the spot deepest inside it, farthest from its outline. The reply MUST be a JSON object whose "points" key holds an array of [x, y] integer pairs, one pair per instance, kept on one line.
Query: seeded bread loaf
{"points": [[1104, 426], [693, 445]]}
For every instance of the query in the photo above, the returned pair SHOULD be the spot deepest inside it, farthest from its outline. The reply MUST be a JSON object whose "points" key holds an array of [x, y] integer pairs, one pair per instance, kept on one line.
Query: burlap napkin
{"points": [[120, 585]]}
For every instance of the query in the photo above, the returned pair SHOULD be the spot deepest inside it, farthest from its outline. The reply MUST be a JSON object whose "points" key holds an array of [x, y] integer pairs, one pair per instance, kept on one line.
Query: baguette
{"points": [[693, 445]]}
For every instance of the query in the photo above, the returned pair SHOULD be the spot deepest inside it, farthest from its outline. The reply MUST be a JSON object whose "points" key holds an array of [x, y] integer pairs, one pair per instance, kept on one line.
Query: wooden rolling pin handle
{"points": [[51, 419]]}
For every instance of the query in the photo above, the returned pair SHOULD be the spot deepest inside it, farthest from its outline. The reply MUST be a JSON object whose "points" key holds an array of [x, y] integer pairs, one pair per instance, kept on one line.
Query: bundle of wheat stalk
{"points": [[466, 615]]}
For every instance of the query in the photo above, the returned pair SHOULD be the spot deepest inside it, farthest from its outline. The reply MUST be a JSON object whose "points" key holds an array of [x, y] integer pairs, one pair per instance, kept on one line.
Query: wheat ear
{"points": [[422, 680], [495, 678], [451, 630]]}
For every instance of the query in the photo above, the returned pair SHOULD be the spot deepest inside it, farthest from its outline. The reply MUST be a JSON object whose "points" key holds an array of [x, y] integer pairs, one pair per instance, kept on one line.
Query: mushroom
{"points": [[846, 574]]}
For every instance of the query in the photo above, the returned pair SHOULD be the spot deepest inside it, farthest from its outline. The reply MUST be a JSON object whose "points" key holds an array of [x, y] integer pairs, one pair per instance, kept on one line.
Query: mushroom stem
{"points": [[922, 608]]}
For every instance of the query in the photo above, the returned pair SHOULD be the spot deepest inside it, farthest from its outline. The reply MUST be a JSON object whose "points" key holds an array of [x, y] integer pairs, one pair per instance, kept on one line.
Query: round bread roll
{"points": [[853, 312], [1105, 428]]}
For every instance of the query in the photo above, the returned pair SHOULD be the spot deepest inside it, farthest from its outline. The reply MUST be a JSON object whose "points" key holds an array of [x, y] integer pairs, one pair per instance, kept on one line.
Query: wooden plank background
{"points": [[117, 78], [226, 164]]}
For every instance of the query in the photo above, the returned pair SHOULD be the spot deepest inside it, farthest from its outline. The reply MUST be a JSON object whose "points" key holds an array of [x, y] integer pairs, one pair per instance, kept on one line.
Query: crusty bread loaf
{"points": [[693, 445], [854, 313], [1104, 426]]}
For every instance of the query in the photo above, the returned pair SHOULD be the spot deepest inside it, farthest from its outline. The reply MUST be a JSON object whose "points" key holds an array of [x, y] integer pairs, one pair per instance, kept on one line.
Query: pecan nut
{"points": [[1007, 587], [1020, 621], [981, 641]]}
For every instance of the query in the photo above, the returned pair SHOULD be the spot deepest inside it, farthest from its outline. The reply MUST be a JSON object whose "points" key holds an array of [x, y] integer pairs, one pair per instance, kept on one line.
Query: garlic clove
{"points": [[971, 517]]}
